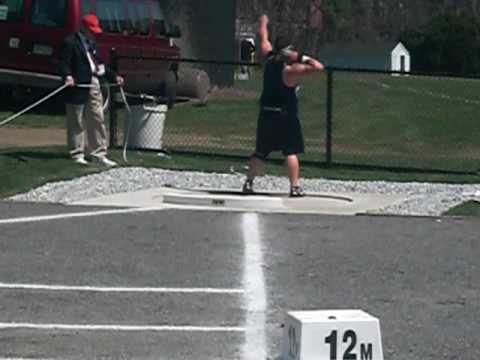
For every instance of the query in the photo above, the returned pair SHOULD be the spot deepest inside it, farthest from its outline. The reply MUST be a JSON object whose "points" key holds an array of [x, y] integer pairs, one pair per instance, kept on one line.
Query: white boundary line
{"points": [[78, 215], [122, 328], [19, 358], [255, 296], [5, 286]]}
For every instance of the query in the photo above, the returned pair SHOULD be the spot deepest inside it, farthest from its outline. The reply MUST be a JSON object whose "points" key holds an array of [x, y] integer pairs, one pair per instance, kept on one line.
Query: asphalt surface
{"points": [[419, 276]]}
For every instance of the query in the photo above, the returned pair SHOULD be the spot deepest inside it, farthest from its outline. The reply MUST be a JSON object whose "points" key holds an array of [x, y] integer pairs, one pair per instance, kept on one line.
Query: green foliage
{"points": [[27, 168], [384, 120], [470, 208], [449, 43], [378, 120]]}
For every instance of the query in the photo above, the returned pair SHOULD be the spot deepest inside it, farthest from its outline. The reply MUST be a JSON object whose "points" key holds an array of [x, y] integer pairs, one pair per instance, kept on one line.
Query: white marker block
{"points": [[331, 335]]}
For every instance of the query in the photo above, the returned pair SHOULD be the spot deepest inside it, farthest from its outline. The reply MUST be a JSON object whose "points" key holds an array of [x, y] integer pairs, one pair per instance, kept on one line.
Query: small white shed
{"points": [[390, 56], [400, 58]]}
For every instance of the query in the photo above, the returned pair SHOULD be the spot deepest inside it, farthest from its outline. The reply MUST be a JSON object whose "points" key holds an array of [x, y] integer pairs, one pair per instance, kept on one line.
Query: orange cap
{"points": [[91, 23]]}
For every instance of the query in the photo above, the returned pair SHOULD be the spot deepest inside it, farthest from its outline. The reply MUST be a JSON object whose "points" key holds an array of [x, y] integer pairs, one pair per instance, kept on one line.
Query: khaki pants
{"points": [[89, 117]]}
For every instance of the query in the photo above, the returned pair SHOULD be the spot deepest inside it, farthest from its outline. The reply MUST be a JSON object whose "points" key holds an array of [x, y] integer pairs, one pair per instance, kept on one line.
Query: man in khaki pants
{"points": [[81, 68]]}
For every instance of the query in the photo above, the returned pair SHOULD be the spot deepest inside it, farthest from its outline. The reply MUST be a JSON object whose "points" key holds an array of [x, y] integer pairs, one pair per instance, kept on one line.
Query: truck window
{"points": [[86, 8], [49, 13], [143, 18], [11, 10], [138, 16], [159, 19], [111, 14]]}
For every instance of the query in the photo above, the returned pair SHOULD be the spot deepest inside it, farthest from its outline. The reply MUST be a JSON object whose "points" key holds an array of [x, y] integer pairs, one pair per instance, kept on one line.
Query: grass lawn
{"points": [[381, 120], [380, 123], [378, 120], [26, 168], [471, 208]]}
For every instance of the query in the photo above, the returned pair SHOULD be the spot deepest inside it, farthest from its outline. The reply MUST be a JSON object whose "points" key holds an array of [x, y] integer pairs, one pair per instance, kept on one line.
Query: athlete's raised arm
{"points": [[265, 44]]}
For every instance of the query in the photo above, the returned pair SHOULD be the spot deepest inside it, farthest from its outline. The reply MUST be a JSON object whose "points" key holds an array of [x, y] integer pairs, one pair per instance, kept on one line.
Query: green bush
{"points": [[449, 43]]}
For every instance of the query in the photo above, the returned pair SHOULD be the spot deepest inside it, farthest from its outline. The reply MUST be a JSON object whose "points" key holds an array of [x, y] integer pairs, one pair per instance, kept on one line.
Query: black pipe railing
{"points": [[329, 126], [404, 73], [189, 60]]}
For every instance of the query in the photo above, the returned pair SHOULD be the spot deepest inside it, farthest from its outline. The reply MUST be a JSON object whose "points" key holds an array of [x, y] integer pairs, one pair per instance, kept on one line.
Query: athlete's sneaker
{"points": [[296, 191], [248, 187]]}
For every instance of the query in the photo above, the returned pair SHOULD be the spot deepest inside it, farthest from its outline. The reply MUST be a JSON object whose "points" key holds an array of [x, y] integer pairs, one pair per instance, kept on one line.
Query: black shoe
{"points": [[296, 191], [248, 187]]}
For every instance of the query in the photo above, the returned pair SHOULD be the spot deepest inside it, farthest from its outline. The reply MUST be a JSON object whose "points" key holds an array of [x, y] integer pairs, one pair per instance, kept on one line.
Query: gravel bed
{"points": [[423, 199]]}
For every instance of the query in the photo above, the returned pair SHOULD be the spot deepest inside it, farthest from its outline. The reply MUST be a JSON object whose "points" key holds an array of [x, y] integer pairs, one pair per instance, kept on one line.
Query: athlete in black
{"points": [[278, 127]]}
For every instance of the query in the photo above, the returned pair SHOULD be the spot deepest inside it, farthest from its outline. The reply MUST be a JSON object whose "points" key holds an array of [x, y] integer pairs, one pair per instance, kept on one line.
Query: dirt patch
{"points": [[12, 137]]}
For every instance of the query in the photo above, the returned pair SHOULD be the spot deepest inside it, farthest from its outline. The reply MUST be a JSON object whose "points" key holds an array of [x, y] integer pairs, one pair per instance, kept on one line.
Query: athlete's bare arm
{"points": [[265, 44], [295, 70]]}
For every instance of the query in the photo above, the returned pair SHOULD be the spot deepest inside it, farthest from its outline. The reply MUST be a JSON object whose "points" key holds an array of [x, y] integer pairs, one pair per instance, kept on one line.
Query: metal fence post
{"points": [[328, 132], [113, 100]]}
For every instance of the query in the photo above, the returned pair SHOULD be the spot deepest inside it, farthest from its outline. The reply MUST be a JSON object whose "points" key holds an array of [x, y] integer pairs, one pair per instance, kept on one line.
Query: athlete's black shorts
{"points": [[278, 131]]}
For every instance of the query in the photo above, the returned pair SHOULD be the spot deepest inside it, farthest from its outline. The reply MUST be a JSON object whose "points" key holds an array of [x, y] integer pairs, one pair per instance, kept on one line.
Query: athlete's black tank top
{"points": [[275, 93]]}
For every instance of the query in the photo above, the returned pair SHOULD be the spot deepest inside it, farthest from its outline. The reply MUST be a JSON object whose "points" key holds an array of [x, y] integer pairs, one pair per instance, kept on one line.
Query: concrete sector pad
{"points": [[314, 203]]}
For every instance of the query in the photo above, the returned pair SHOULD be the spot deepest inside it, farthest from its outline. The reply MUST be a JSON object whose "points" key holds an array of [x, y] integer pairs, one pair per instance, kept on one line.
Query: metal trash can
{"points": [[144, 126]]}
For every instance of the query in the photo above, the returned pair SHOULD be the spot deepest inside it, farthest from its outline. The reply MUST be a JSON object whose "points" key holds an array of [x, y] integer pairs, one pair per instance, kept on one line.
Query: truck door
{"points": [[11, 22], [48, 25]]}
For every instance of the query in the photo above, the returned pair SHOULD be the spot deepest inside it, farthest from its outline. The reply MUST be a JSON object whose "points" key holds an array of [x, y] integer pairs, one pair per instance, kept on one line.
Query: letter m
{"points": [[366, 351]]}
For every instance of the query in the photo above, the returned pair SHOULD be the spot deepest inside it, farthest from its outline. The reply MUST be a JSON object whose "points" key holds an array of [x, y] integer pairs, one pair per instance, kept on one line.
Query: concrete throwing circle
{"points": [[259, 201]]}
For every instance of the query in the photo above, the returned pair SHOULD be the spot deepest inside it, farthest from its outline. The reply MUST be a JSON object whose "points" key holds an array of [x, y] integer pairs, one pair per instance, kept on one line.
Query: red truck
{"points": [[32, 31]]}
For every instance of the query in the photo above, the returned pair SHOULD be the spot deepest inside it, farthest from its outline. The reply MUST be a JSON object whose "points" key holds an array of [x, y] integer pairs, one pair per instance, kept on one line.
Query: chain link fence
{"points": [[349, 117], [358, 118], [218, 120], [226, 123], [415, 121]]}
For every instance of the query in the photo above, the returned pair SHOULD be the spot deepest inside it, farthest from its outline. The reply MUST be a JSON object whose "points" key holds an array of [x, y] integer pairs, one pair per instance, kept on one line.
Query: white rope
{"points": [[127, 106], [127, 134], [129, 110], [52, 94], [101, 85], [124, 98], [105, 106], [41, 101], [107, 100], [107, 86]]}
